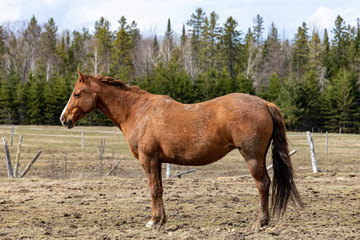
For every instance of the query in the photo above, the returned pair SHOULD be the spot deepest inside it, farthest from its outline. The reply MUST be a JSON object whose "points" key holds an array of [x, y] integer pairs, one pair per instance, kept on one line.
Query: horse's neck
{"points": [[120, 105]]}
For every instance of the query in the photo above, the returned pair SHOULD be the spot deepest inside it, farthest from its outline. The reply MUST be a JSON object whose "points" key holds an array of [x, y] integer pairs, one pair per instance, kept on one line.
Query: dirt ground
{"points": [[197, 208], [217, 201]]}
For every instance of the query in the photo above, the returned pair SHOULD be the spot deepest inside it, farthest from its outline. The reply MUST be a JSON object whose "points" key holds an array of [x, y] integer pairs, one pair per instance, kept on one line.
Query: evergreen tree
{"points": [[102, 46], [258, 29], [183, 38], [315, 53], [196, 22], [300, 54], [5, 103], [289, 101], [48, 42], [231, 45], [209, 45], [340, 44], [168, 44], [272, 57], [310, 101], [80, 49], [36, 103], [340, 103], [122, 66], [244, 84], [32, 36], [2, 51], [274, 88]]}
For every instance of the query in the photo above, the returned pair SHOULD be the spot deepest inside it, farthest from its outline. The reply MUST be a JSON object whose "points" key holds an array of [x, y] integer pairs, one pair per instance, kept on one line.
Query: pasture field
{"points": [[63, 195]]}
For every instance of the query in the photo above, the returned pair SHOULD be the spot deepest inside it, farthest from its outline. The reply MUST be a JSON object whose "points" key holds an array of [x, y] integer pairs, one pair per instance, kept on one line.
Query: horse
{"points": [[159, 130]]}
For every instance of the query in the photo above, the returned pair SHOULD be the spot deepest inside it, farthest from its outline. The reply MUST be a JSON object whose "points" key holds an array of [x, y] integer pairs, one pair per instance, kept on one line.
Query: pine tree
{"points": [[340, 102], [122, 66], [273, 59], [209, 44], [274, 88], [300, 54], [168, 43], [196, 22], [183, 38], [2, 51], [102, 46], [48, 42], [289, 101], [340, 44], [5, 103], [258, 29], [80, 49], [32, 36], [36, 103], [315, 53], [231, 45], [310, 100]]}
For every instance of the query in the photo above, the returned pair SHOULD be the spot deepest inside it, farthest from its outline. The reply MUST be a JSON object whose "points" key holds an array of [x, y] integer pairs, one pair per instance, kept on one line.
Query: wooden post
{"points": [[290, 154], [12, 135], [82, 139], [7, 158], [326, 142], [30, 164], [17, 161], [182, 173], [168, 170], [312, 152], [113, 168], [101, 155]]}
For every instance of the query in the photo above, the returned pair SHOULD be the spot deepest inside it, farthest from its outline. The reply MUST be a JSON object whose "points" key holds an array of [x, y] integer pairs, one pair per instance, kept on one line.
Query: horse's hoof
{"points": [[150, 224]]}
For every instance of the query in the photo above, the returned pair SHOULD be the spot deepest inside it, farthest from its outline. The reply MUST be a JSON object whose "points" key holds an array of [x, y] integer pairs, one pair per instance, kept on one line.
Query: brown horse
{"points": [[160, 130]]}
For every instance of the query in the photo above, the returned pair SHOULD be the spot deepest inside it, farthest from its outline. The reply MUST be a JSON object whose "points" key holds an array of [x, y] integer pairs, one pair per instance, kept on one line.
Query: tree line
{"points": [[313, 79]]}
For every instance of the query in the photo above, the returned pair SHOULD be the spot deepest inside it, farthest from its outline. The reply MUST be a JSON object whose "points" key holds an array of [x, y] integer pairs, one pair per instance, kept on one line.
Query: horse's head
{"points": [[81, 102]]}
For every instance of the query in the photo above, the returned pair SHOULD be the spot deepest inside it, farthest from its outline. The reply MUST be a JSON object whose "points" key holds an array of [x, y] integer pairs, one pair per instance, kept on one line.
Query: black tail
{"points": [[283, 185]]}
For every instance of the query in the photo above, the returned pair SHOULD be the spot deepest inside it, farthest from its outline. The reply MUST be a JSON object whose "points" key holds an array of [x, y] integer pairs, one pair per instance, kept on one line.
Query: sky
{"points": [[152, 15]]}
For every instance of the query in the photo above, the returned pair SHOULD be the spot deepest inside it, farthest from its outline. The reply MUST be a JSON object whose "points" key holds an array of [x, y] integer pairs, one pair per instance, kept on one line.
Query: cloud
{"points": [[325, 17]]}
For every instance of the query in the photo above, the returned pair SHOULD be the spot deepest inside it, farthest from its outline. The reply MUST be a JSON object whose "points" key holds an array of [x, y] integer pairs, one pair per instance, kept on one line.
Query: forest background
{"points": [[313, 79]]}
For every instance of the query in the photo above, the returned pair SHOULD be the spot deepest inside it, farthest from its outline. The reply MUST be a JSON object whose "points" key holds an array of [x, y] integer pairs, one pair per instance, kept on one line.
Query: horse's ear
{"points": [[82, 77]]}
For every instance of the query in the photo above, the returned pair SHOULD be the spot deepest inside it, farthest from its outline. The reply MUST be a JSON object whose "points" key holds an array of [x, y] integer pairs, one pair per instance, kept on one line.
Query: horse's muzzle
{"points": [[69, 124]]}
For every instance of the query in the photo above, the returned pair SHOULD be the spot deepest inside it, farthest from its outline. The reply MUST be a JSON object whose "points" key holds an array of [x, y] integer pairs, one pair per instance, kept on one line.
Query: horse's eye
{"points": [[76, 95]]}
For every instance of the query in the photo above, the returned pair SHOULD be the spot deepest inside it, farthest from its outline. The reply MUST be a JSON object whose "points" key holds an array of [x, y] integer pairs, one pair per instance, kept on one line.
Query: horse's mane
{"points": [[109, 80], [117, 83]]}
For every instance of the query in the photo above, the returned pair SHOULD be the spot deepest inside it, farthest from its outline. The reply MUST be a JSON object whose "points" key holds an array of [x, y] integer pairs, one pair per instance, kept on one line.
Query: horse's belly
{"points": [[194, 155]]}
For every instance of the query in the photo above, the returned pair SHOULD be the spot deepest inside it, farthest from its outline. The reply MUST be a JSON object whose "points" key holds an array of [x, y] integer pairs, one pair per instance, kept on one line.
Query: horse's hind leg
{"points": [[255, 160], [152, 169]]}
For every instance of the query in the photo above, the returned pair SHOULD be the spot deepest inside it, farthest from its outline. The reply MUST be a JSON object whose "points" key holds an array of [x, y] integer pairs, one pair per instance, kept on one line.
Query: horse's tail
{"points": [[283, 185]]}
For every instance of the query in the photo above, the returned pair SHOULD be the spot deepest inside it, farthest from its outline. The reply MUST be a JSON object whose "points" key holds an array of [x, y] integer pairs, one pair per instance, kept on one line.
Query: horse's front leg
{"points": [[152, 169]]}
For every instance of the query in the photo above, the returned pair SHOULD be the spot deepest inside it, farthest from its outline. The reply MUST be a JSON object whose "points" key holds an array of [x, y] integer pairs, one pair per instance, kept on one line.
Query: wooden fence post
{"points": [[312, 152], [101, 155], [326, 142], [290, 154], [17, 161], [30, 164], [7, 158], [12, 135], [113, 168], [168, 170]]}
